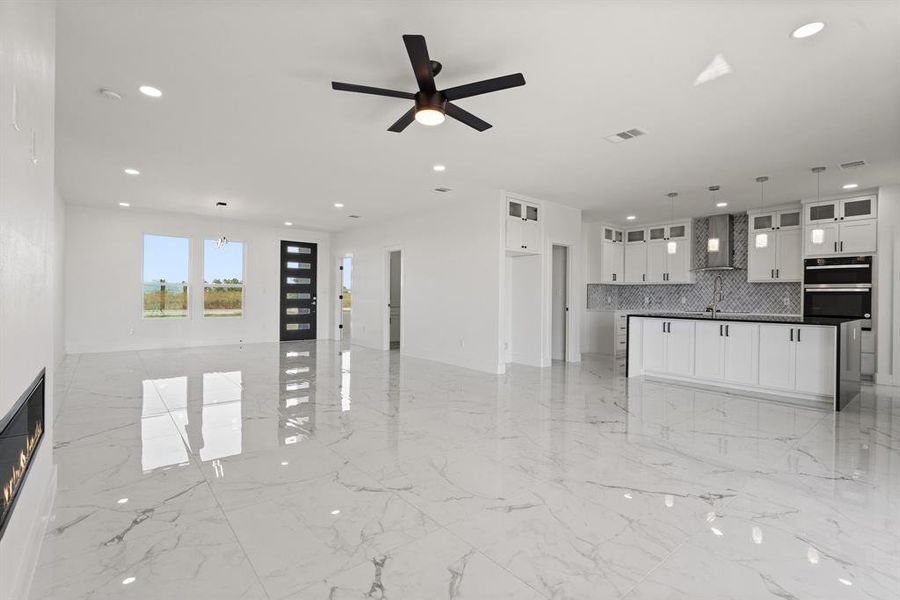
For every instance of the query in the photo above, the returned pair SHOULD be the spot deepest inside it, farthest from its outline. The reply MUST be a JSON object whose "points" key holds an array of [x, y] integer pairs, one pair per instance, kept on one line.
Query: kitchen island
{"points": [[808, 359]]}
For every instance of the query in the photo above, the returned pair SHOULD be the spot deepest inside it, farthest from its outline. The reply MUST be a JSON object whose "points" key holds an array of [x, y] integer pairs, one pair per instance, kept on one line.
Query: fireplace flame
{"points": [[18, 472]]}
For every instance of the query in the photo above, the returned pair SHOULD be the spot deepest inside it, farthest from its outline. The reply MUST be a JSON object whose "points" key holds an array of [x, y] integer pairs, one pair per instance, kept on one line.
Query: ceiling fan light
{"points": [[429, 116]]}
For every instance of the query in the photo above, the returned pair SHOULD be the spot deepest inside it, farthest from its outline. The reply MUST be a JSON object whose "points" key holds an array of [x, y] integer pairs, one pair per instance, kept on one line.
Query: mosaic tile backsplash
{"points": [[738, 295]]}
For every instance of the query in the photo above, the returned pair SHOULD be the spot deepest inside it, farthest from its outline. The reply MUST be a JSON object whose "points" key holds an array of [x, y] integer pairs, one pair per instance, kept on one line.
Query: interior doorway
{"points": [[395, 279], [559, 303], [345, 297]]}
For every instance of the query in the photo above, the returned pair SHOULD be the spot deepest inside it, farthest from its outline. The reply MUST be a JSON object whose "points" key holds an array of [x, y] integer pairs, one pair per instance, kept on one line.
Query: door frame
{"points": [[386, 298], [573, 321], [567, 296], [338, 290]]}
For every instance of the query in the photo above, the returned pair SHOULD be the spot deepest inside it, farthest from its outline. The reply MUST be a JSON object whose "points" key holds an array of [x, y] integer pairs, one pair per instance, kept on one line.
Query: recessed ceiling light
{"points": [[810, 29], [122, 501], [850, 186], [631, 217], [439, 168], [338, 205], [721, 204], [149, 90], [128, 580], [124, 204], [131, 171], [284, 463], [846, 582], [336, 512], [288, 223]]}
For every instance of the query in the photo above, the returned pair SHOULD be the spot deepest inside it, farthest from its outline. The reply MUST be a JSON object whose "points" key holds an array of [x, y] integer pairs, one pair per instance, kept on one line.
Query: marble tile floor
{"points": [[298, 471]]}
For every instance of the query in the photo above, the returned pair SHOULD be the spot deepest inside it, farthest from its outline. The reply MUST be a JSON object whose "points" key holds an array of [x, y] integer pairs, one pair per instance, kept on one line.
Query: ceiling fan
{"points": [[431, 104]]}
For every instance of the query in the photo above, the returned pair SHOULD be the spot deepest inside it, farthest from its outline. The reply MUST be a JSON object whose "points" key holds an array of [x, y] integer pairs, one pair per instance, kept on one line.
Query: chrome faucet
{"points": [[717, 296]]}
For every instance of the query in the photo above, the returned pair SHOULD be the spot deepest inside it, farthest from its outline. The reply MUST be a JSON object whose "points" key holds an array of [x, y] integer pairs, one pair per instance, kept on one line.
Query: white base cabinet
{"points": [[786, 359]]}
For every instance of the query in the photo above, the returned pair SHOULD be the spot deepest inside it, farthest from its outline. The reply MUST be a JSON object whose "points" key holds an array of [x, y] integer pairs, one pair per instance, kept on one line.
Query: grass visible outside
{"points": [[218, 301], [166, 305], [223, 301]]}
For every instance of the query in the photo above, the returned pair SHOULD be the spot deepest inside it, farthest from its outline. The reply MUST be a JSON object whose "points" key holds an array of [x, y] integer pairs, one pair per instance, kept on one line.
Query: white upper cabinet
{"points": [[774, 246], [659, 254], [606, 255], [523, 228], [844, 209]]}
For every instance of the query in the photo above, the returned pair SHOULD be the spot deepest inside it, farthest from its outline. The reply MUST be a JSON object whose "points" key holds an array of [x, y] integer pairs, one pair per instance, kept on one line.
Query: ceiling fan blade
{"points": [[484, 87], [404, 121], [421, 63], [464, 116], [364, 89]]}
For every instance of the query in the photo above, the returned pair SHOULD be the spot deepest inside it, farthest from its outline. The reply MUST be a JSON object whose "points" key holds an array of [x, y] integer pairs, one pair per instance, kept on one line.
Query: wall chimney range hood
{"points": [[719, 244]]}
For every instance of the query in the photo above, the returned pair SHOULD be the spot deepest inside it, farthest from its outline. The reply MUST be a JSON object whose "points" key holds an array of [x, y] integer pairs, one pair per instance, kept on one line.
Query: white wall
{"points": [[59, 278], [450, 293], [104, 250], [562, 226], [27, 269], [887, 293]]}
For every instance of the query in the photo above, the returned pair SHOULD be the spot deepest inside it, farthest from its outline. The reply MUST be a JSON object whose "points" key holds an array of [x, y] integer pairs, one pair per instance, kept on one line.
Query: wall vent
{"points": [[353, 216], [623, 136], [442, 190], [853, 164]]}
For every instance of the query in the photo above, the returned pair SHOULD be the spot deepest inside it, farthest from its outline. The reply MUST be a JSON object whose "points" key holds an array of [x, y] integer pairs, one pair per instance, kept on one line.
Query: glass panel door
{"points": [[298, 291]]}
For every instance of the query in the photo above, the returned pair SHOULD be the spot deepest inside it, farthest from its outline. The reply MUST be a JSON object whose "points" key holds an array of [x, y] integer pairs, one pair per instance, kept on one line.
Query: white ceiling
{"points": [[248, 115]]}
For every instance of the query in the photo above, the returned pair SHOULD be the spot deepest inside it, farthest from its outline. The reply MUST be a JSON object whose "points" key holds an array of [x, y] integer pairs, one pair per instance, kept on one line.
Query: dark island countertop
{"points": [[787, 320]]}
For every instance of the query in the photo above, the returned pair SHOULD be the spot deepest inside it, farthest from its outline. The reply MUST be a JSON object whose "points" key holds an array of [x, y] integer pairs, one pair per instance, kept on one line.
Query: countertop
{"points": [[787, 319]]}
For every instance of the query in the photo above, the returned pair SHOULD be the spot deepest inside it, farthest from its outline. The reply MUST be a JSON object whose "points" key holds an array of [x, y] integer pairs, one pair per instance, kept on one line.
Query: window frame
{"points": [[190, 268], [203, 283]]}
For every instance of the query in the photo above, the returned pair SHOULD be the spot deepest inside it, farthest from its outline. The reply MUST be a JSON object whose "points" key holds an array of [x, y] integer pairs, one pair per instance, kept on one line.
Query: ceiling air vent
{"points": [[853, 164], [442, 190], [353, 216], [623, 136]]}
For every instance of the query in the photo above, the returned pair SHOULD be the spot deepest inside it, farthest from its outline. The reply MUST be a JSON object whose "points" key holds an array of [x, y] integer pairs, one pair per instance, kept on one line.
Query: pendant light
{"points": [[817, 235], [712, 244], [762, 239], [223, 239], [672, 247]]}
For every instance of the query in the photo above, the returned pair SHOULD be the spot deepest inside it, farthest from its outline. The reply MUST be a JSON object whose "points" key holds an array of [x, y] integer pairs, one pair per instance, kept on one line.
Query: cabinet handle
{"points": [[643, 277], [798, 334], [842, 244], [777, 274], [614, 276], [664, 326], [772, 273], [835, 246], [726, 331], [792, 334], [720, 331]]}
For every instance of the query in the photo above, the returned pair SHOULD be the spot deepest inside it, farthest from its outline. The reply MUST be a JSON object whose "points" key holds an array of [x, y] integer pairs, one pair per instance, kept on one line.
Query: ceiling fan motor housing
{"points": [[435, 101]]}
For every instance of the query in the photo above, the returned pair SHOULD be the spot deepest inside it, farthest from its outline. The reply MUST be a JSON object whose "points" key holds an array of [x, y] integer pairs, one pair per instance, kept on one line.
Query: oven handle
{"points": [[845, 289], [838, 286], [866, 266]]}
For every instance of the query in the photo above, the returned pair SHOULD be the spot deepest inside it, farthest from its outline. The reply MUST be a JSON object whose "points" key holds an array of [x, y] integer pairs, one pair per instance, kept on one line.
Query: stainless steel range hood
{"points": [[719, 244]]}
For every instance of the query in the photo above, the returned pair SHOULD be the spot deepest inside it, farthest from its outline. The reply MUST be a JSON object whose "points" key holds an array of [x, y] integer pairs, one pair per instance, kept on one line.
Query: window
{"points": [[223, 279], [166, 261]]}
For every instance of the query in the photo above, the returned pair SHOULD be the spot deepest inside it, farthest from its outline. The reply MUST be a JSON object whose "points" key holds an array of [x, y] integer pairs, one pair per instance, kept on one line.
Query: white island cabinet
{"points": [[801, 359]]}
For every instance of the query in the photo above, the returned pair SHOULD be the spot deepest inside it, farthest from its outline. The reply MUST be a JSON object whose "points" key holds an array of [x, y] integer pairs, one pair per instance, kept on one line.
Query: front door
{"points": [[298, 291]]}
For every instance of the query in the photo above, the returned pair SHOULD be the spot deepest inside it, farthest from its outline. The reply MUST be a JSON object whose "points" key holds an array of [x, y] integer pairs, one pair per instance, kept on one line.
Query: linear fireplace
{"points": [[21, 431]]}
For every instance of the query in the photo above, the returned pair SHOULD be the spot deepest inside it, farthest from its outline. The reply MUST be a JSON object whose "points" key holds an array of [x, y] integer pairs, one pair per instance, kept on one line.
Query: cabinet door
{"points": [[762, 222], [821, 239], [514, 226], [776, 356], [815, 360], [858, 208], [678, 264], [531, 235], [761, 254], [531, 213], [822, 212], [680, 348], [788, 219], [677, 232], [656, 261], [595, 254], [789, 260], [636, 236], [635, 262], [653, 342], [613, 261], [857, 237], [708, 350], [741, 353]]}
